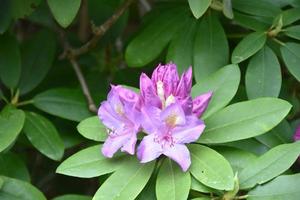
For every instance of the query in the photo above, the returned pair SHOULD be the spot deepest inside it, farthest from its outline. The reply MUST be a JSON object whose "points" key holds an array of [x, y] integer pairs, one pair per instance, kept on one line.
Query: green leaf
{"points": [[62, 102], [1, 183], [256, 7], [244, 120], [89, 163], [180, 50], [92, 128], [293, 32], [251, 145], [224, 83], [290, 16], [269, 165], [43, 136], [21, 9], [211, 49], [238, 159], [251, 22], [197, 186], [248, 46], [154, 37], [291, 58], [72, 197], [127, 182], [14, 189], [281, 188], [263, 75], [10, 61], [198, 7], [5, 15], [227, 9], [206, 168], [171, 182], [65, 11], [11, 124], [13, 167], [36, 60]]}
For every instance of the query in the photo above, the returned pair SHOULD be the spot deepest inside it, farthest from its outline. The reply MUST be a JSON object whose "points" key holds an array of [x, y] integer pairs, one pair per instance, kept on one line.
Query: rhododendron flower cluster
{"points": [[164, 110]]}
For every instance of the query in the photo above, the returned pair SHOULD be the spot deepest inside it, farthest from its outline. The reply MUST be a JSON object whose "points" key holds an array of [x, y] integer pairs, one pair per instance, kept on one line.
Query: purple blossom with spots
{"points": [[164, 110]]}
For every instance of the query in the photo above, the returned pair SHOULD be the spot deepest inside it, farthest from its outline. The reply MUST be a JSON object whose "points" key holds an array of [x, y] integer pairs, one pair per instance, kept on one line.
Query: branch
{"points": [[101, 30]]}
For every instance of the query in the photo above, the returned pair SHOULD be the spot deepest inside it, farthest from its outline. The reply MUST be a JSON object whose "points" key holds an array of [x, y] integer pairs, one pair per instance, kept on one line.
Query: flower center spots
{"points": [[119, 109], [165, 140], [172, 120]]}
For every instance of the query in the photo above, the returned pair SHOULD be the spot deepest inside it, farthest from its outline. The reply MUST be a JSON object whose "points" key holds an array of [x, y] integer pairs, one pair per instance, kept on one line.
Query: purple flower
{"points": [[297, 133], [120, 116], [165, 88], [169, 130]]}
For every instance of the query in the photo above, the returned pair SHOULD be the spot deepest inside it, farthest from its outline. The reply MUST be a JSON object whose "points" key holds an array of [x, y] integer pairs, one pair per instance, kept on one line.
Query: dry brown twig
{"points": [[71, 53]]}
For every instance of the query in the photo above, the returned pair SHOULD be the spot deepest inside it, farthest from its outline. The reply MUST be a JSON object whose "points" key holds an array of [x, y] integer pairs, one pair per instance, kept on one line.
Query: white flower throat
{"points": [[161, 94]]}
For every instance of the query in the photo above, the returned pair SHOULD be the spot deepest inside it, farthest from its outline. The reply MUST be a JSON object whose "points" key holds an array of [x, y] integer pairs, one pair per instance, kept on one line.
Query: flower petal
{"points": [[148, 92], [173, 115], [185, 84], [109, 118], [200, 103], [150, 119], [127, 96], [297, 133], [113, 144], [129, 146], [180, 154], [148, 149], [190, 132]]}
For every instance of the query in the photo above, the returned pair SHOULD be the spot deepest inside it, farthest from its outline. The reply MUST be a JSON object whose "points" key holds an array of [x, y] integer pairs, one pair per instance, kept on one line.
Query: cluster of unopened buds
{"points": [[164, 110]]}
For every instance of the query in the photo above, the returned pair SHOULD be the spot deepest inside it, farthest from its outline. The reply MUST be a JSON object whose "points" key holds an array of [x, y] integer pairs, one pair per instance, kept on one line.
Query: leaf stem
{"points": [[23, 103]]}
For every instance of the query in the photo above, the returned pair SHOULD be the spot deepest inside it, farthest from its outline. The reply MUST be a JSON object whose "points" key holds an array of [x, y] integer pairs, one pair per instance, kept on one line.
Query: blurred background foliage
{"points": [[42, 100]]}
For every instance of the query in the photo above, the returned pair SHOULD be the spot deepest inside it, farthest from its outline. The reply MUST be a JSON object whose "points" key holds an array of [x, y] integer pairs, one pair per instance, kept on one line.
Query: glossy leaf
{"points": [[5, 15], [154, 37], [291, 58], [269, 165], [89, 163], [171, 182], [21, 9], [263, 76], [127, 182], [43, 136], [92, 128], [290, 16], [247, 119], [200, 187], [248, 46], [293, 32], [10, 61], [11, 124], [251, 22], [62, 102], [211, 49], [36, 60], [180, 50], [13, 166], [227, 8], [14, 189], [65, 11], [224, 84], [72, 197], [198, 7], [282, 187], [206, 168]]}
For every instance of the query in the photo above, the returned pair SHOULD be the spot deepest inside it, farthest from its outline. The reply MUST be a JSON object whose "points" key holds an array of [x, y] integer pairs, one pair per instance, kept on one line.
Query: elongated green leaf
{"points": [[244, 120], [263, 76], [43, 136], [211, 50], [227, 9], [198, 7], [251, 145], [36, 60], [290, 16], [256, 7], [72, 197], [14, 189], [21, 9], [171, 182], [65, 11], [10, 61], [11, 124], [252, 22], [238, 159], [89, 163], [206, 168], [269, 165], [62, 102], [293, 32], [151, 41], [291, 58], [127, 182], [1, 182], [12, 166], [92, 128], [281, 188], [248, 46], [224, 83], [5, 15], [200, 187], [180, 50]]}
